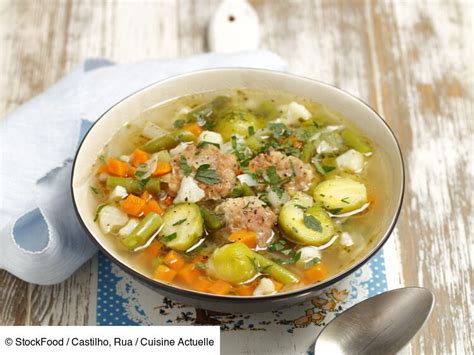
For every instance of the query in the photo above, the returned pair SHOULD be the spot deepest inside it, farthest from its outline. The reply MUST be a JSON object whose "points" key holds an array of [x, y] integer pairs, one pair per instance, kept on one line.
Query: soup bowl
{"points": [[356, 111]]}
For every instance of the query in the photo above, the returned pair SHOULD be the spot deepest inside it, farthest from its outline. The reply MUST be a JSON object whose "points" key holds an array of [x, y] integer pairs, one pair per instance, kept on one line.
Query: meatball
{"points": [[286, 166], [224, 164], [249, 213]]}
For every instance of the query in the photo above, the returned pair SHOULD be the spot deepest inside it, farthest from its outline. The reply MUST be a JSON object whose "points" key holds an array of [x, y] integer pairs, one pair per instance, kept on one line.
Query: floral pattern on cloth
{"points": [[123, 300]]}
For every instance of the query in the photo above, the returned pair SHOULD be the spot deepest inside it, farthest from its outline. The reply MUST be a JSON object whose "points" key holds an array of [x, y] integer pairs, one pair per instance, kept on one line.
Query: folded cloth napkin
{"points": [[41, 240]]}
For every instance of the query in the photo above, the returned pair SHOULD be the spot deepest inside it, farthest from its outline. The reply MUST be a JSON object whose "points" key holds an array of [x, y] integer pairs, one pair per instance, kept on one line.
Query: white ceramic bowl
{"points": [[356, 111]]}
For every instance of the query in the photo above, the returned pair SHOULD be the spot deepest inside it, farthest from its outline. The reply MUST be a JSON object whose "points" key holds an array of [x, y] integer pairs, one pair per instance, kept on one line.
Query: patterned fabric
{"points": [[123, 300]]}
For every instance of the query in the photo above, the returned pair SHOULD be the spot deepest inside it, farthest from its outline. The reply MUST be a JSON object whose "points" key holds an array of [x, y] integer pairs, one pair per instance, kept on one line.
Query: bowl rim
{"points": [[239, 299]]}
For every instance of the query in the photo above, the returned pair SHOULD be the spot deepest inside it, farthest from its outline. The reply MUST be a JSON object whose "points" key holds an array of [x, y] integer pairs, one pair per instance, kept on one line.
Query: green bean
{"points": [[130, 184], [168, 141], [210, 109], [133, 186], [211, 220], [278, 272], [145, 229], [308, 151], [355, 141]]}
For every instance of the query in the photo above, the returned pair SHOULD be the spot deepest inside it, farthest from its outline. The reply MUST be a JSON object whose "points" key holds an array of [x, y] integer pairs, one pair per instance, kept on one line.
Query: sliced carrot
{"points": [[202, 284], [174, 260], [103, 169], [151, 252], [162, 168], [220, 287], [316, 273], [245, 290], [194, 128], [188, 274], [245, 236], [152, 206], [139, 157], [117, 167], [133, 205], [145, 196], [164, 273]]}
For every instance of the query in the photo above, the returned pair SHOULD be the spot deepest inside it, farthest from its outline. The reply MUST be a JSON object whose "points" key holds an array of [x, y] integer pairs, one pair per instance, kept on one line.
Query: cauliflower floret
{"points": [[351, 160], [307, 254], [211, 137], [189, 191], [265, 287], [293, 113], [118, 193]]}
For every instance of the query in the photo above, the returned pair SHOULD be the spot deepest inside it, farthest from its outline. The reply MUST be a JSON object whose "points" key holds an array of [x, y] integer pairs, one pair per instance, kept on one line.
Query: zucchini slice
{"points": [[183, 226], [303, 224], [341, 195]]}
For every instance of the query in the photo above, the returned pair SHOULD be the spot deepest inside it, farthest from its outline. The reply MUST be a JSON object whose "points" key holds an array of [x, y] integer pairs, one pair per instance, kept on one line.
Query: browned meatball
{"points": [[248, 213], [286, 166], [225, 165]]}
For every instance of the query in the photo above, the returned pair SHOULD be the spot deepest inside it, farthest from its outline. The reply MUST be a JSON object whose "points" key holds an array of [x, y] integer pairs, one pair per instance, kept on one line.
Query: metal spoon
{"points": [[383, 324]]}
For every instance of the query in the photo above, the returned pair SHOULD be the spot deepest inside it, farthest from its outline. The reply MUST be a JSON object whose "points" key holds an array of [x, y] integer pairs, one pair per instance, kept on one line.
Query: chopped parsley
{"points": [[207, 175], [201, 265], [300, 206], [260, 269], [275, 182], [294, 257], [204, 144], [251, 131], [345, 199], [279, 245], [310, 263], [312, 223], [142, 183], [98, 209], [102, 159], [183, 164], [181, 221], [169, 237], [140, 173], [95, 190], [279, 130], [179, 123]]}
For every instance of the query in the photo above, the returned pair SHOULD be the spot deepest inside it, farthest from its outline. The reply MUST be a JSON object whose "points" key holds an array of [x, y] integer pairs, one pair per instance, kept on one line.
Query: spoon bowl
{"points": [[383, 324]]}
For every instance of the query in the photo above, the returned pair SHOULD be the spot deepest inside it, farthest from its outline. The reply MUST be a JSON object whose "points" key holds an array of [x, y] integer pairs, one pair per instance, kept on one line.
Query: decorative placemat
{"points": [[123, 300]]}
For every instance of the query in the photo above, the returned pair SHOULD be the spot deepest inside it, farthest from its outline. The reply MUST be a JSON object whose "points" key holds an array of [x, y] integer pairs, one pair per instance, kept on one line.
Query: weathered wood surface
{"points": [[412, 61]]}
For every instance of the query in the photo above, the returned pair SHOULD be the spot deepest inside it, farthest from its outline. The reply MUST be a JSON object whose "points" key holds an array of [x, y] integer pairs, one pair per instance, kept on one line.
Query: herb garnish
{"points": [[335, 210], [257, 266], [204, 144], [277, 246], [345, 199], [279, 130], [322, 169], [312, 223], [310, 263], [179, 123], [207, 175], [201, 265], [183, 164], [275, 181], [142, 183], [169, 237], [95, 190], [251, 131], [181, 221], [292, 260]]}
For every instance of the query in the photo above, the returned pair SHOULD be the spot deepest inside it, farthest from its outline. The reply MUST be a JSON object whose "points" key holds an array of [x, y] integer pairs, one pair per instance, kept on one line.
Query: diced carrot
{"points": [[151, 252], [103, 169], [133, 205], [145, 195], [152, 206], [278, 285], [168, 201], [202, 284], [220, 287], [162, 168], [194, 128], [316, 273], [245, 236], [164, 273], [188, 274], [131, 171], [174, 260], [139, 157], [117, 167], [245, 290]]}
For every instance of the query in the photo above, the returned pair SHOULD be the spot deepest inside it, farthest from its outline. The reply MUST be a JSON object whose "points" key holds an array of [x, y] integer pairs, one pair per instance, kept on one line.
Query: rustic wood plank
{"points": [[408, 60]]}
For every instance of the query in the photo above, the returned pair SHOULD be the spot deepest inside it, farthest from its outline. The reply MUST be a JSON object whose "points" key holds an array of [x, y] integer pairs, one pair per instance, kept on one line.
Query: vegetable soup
{"points": [[240, 192]]}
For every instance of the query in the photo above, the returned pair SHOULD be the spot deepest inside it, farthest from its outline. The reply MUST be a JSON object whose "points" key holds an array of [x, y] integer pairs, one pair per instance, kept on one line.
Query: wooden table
{"points": [[411, 61]]}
